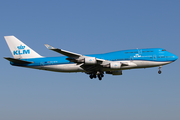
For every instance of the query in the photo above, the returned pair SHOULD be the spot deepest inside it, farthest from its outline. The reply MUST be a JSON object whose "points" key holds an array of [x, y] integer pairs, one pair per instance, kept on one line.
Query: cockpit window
{"points": [[163, 50]]}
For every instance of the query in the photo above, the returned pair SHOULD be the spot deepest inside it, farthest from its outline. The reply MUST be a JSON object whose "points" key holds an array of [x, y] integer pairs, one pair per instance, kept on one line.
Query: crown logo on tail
{"points": [[20, 47]]}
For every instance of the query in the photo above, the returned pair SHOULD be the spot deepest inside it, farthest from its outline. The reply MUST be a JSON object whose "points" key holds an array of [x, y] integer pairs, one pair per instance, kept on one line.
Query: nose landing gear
{"points": [[159, 70]]}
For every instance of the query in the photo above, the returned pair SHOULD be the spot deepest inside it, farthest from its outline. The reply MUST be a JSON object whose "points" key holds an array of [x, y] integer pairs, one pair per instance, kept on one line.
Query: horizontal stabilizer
{"points": [[17, 61]]}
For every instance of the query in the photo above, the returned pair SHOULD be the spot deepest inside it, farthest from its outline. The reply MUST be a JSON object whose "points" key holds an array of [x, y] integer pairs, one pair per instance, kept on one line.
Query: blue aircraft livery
{"points": [[95, 65]]}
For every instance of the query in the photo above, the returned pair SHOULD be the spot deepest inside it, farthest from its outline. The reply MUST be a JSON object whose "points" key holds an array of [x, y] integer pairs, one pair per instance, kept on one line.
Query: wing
{"points": [[88, 63], [73, 57], [64, 52]]}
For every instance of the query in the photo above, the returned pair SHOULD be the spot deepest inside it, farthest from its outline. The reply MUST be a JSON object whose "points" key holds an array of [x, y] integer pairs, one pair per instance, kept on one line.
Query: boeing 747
{"points": [[95, 65]]}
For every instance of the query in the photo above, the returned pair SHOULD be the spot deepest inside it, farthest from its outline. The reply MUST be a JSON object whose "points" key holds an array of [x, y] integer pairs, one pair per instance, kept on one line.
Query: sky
{"points": [[90, 27]]}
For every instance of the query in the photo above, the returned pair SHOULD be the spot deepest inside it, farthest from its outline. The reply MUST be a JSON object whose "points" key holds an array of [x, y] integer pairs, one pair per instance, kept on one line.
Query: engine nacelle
{"points": [[115, 65], [117, 72], [90, 60]]}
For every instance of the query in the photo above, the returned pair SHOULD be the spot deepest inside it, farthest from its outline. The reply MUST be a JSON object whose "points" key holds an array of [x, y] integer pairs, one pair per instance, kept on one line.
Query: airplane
{"points": [[95, 65]]}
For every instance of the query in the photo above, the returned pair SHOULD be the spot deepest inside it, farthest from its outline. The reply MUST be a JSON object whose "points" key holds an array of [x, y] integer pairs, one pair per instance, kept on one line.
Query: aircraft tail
{"points": [[20, 50]]}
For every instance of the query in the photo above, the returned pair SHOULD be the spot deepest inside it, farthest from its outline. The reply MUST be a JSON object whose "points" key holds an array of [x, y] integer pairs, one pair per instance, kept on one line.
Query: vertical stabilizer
{"points": [[20, 50]]}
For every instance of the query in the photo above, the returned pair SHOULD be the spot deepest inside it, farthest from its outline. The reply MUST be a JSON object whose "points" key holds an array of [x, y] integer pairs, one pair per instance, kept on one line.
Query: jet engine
{"points": [[88, 60], [113, 65]]}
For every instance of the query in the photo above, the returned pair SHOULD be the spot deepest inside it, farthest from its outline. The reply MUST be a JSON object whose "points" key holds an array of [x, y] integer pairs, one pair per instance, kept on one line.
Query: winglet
{"points": [[49, 46]]}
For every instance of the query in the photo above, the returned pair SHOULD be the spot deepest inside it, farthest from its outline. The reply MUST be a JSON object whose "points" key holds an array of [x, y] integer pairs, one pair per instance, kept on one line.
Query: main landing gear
{"points": [[159, 70], [100, 76], [95, 75], [92, 76]]}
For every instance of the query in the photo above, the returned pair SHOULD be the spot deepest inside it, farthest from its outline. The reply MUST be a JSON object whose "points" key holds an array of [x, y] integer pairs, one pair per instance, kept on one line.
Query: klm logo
{"points": [[137, 55], [21, 51]]}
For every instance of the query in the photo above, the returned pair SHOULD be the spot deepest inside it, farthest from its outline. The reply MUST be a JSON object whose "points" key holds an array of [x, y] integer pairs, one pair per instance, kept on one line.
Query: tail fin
{"points": [[20, 50]]}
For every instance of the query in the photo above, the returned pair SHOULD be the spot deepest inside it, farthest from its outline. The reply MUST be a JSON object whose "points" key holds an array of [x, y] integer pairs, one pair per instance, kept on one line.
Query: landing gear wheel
{"points": [[102, 75], [159, 72], [94, 76], [91, 76], [99, 76]]}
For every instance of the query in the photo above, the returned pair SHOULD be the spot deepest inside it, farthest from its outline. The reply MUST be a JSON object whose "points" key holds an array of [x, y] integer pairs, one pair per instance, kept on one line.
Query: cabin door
{"points": [[154, 57]]}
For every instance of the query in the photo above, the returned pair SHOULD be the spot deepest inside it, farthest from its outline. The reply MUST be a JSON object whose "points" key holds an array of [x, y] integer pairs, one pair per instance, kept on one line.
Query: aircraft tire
{"points": [[99, 76], [94, 76], [91, 76], [102, 75]]}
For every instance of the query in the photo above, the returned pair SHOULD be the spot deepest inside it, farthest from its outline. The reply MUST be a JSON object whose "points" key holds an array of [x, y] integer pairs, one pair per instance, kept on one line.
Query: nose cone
{"points": [[175, 57]]}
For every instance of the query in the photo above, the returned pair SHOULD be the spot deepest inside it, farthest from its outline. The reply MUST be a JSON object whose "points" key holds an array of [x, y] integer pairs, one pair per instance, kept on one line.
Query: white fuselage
{"points": [[73, 67]]}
